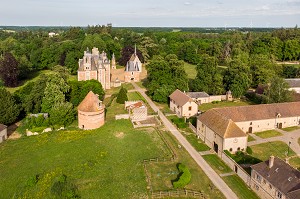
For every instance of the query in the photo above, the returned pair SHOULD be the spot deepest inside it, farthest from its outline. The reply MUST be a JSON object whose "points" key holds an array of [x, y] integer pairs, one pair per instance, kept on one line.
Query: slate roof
{"points": [[221, 125], [2, 127], [281, 175], [293, 82], [90, 103], [260, 112], [180, 98], [197, 94]]}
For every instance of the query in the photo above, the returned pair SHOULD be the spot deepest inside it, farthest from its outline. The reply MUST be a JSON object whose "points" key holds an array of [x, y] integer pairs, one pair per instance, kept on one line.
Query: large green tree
{"points": [[9, 110], [9, 70], [277, 91]]}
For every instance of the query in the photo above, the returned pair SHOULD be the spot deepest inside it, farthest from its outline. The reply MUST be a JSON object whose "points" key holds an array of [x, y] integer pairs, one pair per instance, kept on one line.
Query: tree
{"points": [[54, 93], [122, 96], [126, 54], [9, 110], [208, 77], [62, 113], [237, 78], [277, 91], [9, 70]]}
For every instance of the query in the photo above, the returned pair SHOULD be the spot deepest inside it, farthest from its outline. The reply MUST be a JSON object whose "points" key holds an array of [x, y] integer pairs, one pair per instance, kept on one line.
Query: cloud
{"points": [[187, 3]]}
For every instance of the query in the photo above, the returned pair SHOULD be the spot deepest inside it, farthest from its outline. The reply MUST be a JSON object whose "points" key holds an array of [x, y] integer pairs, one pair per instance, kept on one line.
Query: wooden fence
{"points": [[177, 193]]}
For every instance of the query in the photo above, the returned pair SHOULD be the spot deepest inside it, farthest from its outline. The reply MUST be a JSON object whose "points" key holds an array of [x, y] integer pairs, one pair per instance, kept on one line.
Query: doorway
{"points": [[250, 129], [216, 147], [279, 125]]}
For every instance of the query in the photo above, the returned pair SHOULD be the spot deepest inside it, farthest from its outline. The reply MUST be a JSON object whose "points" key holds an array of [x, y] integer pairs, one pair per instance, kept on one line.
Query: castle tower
{"points": [[113, 61]]}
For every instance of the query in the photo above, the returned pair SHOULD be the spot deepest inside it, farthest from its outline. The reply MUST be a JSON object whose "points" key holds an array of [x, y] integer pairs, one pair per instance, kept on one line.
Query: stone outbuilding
{"points": [[91, 112], [182, 104], [3, 132], [137, 110]]}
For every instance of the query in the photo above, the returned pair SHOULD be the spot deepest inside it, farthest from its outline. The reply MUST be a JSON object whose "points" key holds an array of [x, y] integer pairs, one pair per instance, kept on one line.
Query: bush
{"points": [[179, 122], [122, 96], [184, 177], [249, 150]]}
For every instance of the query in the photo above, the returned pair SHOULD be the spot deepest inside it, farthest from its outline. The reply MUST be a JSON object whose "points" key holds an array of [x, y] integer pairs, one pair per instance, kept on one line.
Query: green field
{"points": [[190, 69], [239, 187], [205, 107], [103, 163], [268, 134]]}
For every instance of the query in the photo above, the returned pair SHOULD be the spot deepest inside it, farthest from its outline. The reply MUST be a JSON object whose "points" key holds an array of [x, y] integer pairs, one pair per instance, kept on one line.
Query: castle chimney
{"points": [[271, 161]]}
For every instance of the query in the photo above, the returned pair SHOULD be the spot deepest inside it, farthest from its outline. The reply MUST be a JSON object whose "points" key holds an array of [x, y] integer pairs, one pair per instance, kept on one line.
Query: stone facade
{"points": [[137, 110], [95, 66], [182, 105], [91, 112], [3, 132], [220, 133], [133, 68]]}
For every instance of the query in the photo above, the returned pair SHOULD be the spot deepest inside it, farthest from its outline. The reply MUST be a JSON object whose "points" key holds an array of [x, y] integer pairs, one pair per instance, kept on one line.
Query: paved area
{"points": [[212, 175], [286, 137], [227, 174]]}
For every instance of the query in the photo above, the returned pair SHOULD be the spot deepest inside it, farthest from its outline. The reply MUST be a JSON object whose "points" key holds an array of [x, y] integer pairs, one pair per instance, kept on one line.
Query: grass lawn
{"points": [[265, 150], [250, 138], [239, 187], [295, 162], [190, 69], [268, 134], [102, 163], [140, 84], [216, 163], [162, 173], [113, 90], [164, 107], [292, 128], [205, 107]]}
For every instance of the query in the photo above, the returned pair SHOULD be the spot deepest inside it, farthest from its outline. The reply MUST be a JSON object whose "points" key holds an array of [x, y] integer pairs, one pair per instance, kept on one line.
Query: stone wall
{"points": [[90, 120], [3, 135]]}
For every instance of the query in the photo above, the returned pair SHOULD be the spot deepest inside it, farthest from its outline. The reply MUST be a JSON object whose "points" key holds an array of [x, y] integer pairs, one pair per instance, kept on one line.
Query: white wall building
{"points": [[182, 105]]}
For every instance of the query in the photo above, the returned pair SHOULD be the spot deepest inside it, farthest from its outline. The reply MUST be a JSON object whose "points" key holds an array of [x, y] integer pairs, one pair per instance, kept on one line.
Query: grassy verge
{"points": [[268, 134], [205, 107], [216, 163], [198, 144], [239, 187], [128, 86], [295, 162], [292, 128], [190, 69], [250, 138]]}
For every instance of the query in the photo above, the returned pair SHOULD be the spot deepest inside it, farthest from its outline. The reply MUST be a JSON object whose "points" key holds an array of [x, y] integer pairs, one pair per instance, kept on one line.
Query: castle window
{"points": [[238, 148], [230, 149], [279, 195], [250, 123], [190, 108]]}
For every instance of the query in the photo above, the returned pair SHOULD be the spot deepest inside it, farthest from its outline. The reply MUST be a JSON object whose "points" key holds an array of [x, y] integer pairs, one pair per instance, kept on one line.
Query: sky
{"points": [[151, 13]]}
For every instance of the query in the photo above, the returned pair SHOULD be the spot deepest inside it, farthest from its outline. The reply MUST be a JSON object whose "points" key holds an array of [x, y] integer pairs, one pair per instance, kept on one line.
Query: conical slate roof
{"points": [[90, 103]]}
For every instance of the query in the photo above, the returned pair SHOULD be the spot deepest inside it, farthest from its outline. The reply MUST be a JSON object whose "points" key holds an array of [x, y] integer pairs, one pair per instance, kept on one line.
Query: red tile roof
{"points": [[91, 103]]}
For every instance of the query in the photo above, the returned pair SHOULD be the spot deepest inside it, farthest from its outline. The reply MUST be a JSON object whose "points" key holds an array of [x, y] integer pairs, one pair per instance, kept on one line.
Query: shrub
{"points": [[249, 150], [33, 180], [184, 177], [122, 96], [179, 122]]}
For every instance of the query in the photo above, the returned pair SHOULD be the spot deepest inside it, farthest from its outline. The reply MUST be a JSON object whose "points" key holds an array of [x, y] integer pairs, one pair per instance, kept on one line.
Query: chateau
{"points": [[96, 66]]}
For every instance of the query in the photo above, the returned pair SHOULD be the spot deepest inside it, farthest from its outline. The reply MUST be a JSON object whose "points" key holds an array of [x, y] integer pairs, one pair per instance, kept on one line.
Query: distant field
{"points": [[190, 69], [205, 107]]}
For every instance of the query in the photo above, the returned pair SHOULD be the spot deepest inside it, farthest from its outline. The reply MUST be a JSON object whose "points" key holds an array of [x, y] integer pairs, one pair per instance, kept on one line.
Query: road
{"points": [[212, 175]]}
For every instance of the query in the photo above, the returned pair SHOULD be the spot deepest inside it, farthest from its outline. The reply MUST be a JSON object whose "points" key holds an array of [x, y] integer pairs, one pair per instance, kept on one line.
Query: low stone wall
{"points": [[236, 168], [122, 116]]}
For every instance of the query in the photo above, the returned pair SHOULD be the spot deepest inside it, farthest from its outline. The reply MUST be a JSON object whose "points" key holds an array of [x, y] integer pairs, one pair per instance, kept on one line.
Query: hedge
{"points": [[184, 177]]}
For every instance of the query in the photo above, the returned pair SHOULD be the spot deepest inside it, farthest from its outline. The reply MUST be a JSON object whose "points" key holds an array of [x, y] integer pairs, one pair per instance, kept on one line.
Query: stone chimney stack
{"points": [[271, 161]]}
